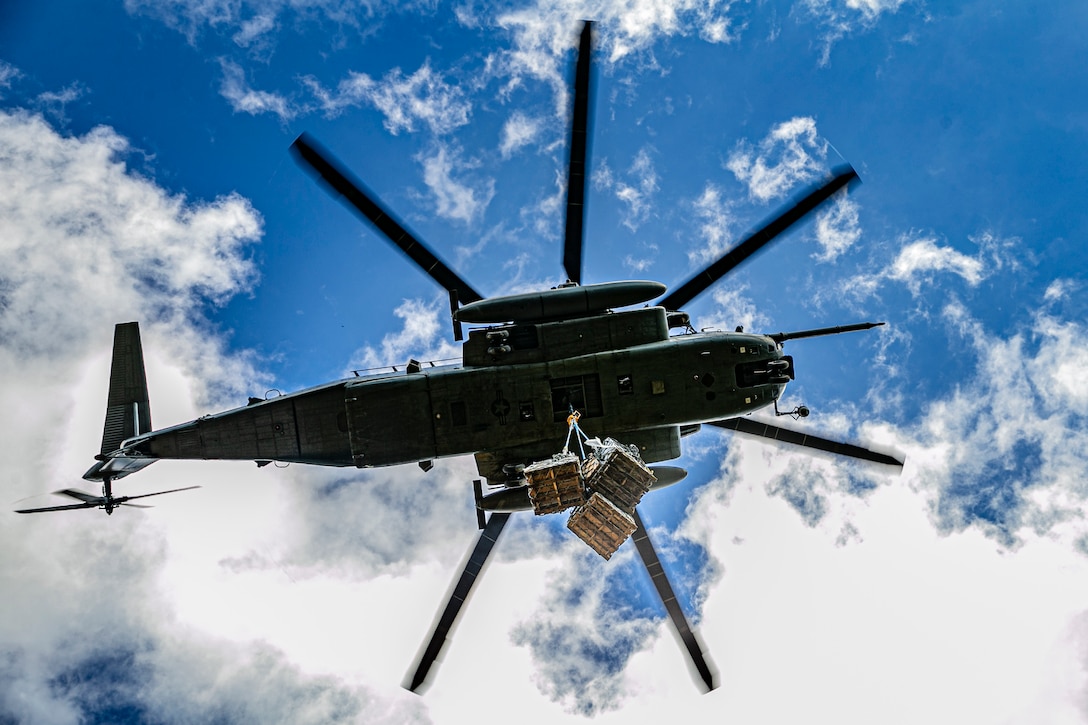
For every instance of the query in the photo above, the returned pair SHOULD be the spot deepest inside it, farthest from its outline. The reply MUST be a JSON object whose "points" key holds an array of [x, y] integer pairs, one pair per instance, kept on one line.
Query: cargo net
{"points": [[603, 486]]}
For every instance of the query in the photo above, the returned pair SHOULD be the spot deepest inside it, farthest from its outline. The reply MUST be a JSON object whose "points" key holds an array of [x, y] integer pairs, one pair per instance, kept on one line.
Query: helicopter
{"points": [[605, 354]]}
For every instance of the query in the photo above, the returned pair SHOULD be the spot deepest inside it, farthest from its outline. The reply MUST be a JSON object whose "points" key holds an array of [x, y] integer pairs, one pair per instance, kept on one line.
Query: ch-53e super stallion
{"points": [[533, 366]]}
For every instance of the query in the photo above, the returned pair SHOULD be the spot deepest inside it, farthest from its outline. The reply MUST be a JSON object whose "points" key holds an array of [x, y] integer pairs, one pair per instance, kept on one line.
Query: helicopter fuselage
{"points": [[508, 403]]}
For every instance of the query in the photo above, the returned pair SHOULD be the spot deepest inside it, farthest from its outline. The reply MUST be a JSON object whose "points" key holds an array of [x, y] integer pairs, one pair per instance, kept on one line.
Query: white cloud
{"points": [[791, 153], [254, 29], [840, 18], [8, 73], [922, 257], [423, 337], [545, 32], [406, 101], [637, 192], [837, 227], [644, 262], [454, 199], [244, 99], [1059, 289], [252, 20], [920, 260], [74, 216], [733, 306], [716, 223], [518, 131], [85, 243], [580, 639]]}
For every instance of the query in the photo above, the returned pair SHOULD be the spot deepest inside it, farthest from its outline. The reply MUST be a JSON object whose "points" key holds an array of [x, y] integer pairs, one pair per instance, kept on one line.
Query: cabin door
{"points": [[390, 421]]}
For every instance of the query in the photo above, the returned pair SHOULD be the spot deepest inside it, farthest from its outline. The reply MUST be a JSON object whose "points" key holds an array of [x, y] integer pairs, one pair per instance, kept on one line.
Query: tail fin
{"points": [[128, 411]]}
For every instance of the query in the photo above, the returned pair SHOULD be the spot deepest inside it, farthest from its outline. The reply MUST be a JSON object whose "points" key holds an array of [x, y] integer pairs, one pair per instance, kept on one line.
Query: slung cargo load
{"points": [[556, 484], [602, 525], [618, 474]]}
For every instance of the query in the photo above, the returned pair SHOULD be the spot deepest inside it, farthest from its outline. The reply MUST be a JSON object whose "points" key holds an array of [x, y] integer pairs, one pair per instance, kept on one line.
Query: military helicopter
{"points": [[530, 363]]}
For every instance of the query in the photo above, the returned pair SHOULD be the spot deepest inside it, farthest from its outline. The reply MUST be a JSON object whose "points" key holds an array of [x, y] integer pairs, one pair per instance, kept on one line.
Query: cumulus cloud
{"points": [[791, 153], [582, 635], [406, 101], [1011, 441], [86, 243], [74, 216], [423, 336]]}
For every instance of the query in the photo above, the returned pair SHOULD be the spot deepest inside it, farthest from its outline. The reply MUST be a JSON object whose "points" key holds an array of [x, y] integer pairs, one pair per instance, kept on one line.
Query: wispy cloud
{"points": [[921, 259], [545, 32], [838, 227], [8, 74], [840, 18], [423, 97], [244, 98], [636, 192], [518, 131], [454, 199], [716, 224], [252, 21]]}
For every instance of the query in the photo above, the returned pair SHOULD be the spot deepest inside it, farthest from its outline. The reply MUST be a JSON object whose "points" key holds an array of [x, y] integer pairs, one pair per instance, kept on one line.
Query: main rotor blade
{"points": [[354, 193], [785, 435], [69, 507], [576, 170], [695, 286], [475, 564], [672, 606], [122, 499], [80, 495]]}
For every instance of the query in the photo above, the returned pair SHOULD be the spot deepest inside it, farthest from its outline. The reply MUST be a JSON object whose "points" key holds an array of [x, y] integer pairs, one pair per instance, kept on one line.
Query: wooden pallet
{"points": [[618, 475], [602, 525], [555, 485]]}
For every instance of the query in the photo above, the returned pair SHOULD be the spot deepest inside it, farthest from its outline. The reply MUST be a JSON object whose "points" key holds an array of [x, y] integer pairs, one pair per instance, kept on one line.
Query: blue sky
{"points": [[144, 156]]}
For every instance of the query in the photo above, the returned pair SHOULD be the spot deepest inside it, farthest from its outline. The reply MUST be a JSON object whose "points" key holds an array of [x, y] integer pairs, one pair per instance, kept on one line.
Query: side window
{"points": [[625, 385]]}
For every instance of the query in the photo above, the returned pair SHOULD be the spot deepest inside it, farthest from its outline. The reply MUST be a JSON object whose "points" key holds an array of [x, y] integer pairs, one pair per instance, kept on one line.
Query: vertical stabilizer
{"points": [[128, 412]]}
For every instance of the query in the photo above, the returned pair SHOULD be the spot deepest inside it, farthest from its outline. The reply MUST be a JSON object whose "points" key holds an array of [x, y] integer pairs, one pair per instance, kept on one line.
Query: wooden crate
{"points": [[555, 485], [602, 525], [619, 476]]}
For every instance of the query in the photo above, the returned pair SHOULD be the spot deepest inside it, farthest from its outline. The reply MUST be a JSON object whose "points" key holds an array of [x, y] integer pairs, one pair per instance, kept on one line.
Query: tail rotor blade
{"points": [[69, 507], [576, 170], [122, 499], [354, 193], [488, 537], [785, 435], [729, 261], [80, 495], [672, 606]]}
